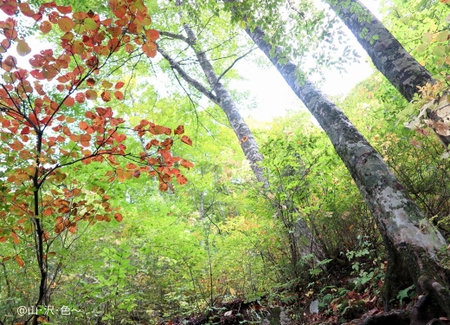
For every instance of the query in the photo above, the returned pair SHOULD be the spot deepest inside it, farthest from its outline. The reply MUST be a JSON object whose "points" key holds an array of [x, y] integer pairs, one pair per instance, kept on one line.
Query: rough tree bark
{"points": [[306, 242], [411, 240], [386, 52]]}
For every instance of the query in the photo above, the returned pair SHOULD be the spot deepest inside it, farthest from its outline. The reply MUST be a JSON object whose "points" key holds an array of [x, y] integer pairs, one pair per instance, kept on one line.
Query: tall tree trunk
{"points": [[408, 236], [386, 52], [217, 92], [226, 102]]}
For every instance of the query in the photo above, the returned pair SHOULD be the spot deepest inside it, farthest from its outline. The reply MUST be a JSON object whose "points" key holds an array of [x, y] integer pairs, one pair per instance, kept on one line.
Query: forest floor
{"points": [[351, 308]]}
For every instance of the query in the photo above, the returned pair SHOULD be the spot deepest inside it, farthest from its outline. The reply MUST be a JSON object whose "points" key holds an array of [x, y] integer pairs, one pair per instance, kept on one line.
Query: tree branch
{"points": [[174, 36], [232, 64], [174, 65]]}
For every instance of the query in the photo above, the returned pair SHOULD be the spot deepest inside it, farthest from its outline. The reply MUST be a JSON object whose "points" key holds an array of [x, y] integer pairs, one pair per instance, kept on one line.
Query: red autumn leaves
{"points": [[39, 130]]}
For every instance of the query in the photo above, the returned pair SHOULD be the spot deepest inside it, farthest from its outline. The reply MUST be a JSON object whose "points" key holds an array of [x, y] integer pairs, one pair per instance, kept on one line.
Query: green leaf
{"points": [[442, 36], [439, 50]]}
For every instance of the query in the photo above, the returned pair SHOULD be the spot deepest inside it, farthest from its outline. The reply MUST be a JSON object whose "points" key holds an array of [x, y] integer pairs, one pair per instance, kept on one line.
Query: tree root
{"points": [[424, 312]]}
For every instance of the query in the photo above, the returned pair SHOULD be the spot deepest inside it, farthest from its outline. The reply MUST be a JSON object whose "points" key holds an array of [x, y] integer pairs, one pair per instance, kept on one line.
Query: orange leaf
{"points": [[186, 140], [19, 261], [106, 96], [64, 9], [72, 227], [9, 7], [91, 94], [15, 237], [120, 11], [47, 212], [152, 34], [66, 24], [45, 27], [69, 102], [186, 164], [27, 11], [149, 49], [181, 179], [159, 129], [119, 137], [118, 94], [179, 130], [83, 125], [85, 140], [16, 145], [80, 98], [3, 238], [59, 227], [119, 85], [118, 217], [131, 166]]}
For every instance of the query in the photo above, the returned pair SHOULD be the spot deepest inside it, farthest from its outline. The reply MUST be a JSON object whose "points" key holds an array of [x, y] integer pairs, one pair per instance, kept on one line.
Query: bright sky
{"points": [[269, 94], [273, 96]]}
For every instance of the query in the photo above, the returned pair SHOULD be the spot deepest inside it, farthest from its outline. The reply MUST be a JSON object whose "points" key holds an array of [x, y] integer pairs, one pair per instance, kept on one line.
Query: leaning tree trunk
{"points": [[408, 236], [225, 101], [306, 242], [386, 52]]}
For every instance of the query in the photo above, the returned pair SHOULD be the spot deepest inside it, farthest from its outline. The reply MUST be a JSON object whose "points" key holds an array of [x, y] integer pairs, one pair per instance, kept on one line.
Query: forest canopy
{"points": [[135, 190]]}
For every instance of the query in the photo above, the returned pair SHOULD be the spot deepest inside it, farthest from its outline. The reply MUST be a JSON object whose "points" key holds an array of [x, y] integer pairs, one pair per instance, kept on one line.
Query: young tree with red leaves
{"points": [[43, 131]]}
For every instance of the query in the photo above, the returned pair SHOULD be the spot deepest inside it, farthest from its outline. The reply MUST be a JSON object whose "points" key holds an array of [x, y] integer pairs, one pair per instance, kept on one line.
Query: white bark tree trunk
{"points": [[306, 242], [412, 241], [386, 52]]}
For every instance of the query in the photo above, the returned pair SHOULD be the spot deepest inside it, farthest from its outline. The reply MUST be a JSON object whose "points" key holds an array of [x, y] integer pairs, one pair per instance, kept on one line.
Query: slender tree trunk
{"points": [[220, 96], [386, 52], [225, 101], [408, 236]]}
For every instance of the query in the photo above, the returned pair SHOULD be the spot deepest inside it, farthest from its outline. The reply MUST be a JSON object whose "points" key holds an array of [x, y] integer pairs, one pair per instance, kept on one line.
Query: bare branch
{"points": [[174, 36], [174, 65], [232, 64]]}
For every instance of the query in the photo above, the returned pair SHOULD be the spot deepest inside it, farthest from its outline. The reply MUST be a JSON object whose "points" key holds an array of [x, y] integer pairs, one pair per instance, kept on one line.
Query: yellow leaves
{"points": [[123, 175], [22, 47], [66, 24]]}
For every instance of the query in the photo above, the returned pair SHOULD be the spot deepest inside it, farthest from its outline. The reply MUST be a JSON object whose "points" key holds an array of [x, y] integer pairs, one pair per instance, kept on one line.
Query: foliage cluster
{"points": [[166, 250]]}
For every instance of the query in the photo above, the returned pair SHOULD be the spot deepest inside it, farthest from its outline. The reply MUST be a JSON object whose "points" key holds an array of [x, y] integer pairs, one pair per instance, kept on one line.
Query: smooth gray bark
{"points": [[386, 52], [409, 237], [220, 96], [305, 241]]}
